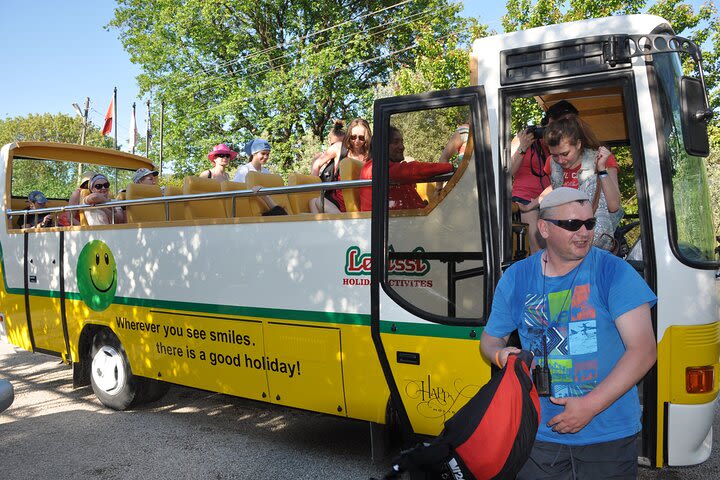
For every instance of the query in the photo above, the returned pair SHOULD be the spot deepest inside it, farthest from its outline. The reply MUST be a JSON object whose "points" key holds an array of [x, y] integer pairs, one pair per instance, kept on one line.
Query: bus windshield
{"points": [[690, 209]]}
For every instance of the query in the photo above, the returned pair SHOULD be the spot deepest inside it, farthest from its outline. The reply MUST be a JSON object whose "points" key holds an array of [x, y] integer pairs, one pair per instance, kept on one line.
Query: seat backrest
{"points": [[350, 170], [426, 190], [83, 193], [267, 180], [242, 204], [203, 208], [177, 209], [144, 213], [300, 202]]}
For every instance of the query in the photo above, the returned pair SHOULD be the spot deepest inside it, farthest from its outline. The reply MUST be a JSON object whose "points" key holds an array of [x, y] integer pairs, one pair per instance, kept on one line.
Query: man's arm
{"points": [[640, 354], [490, 346]]}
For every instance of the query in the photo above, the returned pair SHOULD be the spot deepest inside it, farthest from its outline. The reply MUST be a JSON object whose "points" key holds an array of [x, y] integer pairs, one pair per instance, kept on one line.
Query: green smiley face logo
{"points": [[97, 275]]}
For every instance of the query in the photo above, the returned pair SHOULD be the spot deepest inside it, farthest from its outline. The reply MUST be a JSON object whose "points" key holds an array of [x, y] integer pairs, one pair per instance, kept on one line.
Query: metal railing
{"points": [[320, 187]]}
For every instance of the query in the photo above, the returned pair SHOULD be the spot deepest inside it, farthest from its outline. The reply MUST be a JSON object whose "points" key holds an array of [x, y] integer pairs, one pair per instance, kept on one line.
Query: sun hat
{"points": [[86, 178], [36, 196], [256, 145], [221, 149], [561, 196], [142, 173]]}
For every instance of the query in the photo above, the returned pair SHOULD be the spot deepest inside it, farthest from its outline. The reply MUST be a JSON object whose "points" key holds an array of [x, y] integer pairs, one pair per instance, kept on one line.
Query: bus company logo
{"points": [[357, 264]]}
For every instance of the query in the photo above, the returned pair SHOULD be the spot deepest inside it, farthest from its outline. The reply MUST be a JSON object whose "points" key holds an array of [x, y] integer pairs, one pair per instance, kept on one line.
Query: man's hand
{"points": [[578, 413]]}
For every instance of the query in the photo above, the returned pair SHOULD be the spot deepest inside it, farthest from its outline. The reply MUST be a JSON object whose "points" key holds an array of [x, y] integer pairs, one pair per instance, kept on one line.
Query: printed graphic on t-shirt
{"points": [[570, 178], [567, 321]]}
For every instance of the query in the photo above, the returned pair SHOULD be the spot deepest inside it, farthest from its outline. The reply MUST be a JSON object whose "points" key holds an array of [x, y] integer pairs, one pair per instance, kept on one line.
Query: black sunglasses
{"points": [[222, 155], [101, 185], [573, 225], [357, 137]]}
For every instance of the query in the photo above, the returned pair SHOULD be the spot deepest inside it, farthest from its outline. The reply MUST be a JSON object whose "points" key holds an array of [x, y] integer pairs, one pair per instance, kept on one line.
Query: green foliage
{"points": [[238, 69], [47, 127]]}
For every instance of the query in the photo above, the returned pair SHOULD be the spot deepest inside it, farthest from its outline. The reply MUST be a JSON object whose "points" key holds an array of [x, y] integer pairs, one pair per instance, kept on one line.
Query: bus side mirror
{"points": [[695, 115]]}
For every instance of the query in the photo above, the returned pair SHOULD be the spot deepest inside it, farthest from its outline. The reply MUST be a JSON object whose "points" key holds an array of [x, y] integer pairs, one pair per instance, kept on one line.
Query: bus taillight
{"points": [[700, 379]]}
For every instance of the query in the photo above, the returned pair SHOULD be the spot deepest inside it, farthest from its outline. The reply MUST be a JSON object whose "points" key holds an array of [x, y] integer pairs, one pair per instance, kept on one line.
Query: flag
{"points": [[133, 130], [107, 126]]}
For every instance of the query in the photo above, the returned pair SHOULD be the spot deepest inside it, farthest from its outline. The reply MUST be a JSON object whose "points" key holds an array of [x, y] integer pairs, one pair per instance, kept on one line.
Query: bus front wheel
{"points": [[110, 374]]}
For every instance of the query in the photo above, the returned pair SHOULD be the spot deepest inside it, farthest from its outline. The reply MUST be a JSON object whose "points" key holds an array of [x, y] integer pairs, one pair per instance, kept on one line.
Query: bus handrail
{"points": [[286, 189]]}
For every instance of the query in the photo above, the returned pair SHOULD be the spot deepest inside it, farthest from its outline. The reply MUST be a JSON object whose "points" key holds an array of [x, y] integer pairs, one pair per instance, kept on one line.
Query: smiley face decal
{"points": [[97, 275]]}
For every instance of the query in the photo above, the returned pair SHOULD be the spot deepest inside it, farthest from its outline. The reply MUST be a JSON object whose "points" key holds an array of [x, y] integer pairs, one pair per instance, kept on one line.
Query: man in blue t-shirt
{"points": [[591, 311]]}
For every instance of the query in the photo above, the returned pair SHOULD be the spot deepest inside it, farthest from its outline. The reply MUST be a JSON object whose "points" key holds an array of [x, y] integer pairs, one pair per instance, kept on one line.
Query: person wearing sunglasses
{"points": [[356, 145], [99, 187], [258, 152], [221, 155], [585, 314]]}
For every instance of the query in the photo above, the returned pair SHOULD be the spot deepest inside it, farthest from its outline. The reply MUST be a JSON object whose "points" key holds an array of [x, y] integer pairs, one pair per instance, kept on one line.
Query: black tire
{"points": [[111, 378], [151, 390]]}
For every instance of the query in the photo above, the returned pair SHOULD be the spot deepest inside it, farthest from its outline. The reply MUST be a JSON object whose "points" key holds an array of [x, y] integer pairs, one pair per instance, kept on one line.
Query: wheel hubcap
{"points": [[108, 370]]}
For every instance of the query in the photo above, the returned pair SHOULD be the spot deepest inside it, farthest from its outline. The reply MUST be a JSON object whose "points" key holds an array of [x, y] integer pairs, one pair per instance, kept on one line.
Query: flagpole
{"points": [[147, 131], [115, 117], [162, 126], [133, 132]]}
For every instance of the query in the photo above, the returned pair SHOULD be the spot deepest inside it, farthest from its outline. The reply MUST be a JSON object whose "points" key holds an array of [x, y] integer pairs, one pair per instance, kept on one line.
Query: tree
{"points": [[235, 69], [55, 179], [47, 127]]}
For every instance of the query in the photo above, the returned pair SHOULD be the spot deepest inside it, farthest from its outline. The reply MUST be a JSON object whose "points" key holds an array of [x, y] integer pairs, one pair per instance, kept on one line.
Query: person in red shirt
{"points": [[403, 195], [578, 161]]}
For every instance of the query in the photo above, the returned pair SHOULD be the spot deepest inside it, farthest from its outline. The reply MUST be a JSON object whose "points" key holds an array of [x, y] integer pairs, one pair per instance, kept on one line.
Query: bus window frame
{"points": [[474, 98]]}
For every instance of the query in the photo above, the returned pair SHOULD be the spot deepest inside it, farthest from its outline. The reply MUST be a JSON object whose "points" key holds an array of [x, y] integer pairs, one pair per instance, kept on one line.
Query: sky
{"points": [[56, 53]]}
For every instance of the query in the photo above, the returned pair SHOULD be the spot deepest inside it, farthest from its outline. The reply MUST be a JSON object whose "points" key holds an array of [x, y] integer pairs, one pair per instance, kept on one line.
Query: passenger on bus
{"points": [[99, 187], [64, 217], [325, 163], [146, 176], [578, 161], [527, 167], [403, 195], [221, 155], [258, 152], [36, 199], [356, 145]]}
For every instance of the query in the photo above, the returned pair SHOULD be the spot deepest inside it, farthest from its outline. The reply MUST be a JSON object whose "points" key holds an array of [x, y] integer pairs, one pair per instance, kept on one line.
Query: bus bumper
{"points": [[690, 433]]}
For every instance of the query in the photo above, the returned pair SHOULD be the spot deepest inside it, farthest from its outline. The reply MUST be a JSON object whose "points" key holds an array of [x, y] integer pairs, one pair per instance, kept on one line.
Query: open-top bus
{"points": [[377, 315]]}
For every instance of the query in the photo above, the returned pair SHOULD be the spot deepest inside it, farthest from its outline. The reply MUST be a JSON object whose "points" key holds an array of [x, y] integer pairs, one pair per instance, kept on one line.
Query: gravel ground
{"points": [[54, 432]]}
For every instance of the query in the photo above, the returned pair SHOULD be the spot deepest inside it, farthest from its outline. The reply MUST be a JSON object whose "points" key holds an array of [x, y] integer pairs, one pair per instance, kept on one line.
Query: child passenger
{"points": [[258, 151]]}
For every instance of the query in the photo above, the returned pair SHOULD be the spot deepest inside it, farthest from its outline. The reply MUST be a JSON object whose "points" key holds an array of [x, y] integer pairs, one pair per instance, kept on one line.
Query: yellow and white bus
{"points": [[376, 315]]}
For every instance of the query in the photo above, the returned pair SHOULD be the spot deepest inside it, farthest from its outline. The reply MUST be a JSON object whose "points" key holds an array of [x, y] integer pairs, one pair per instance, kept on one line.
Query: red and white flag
{"points": [[132, 140], [107, 126]]}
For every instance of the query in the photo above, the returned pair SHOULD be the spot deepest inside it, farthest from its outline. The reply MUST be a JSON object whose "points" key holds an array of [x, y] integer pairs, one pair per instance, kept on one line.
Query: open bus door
{"points": [[44, 303], [434, 268]]}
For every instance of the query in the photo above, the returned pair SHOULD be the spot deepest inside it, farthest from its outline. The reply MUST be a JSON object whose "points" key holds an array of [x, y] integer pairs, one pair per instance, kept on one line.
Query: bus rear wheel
{"points": [[110, 376]]}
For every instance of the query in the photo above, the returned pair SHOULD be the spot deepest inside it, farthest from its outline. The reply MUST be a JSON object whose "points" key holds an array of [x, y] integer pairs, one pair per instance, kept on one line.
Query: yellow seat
{"points": [[203, 208], [177, 209], [426, 190], [300, 202], [242, 204], [267, 180], [144, 213], [83, 193], [350, 170]]}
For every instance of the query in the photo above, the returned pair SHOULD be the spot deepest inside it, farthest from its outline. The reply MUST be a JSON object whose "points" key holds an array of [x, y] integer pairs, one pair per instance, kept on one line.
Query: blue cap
{"points": [[36, 196], [256, 145]]}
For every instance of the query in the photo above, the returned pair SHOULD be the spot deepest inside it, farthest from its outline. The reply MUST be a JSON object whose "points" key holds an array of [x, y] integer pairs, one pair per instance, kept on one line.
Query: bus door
{"points": [[43, 285], [434, 252]]}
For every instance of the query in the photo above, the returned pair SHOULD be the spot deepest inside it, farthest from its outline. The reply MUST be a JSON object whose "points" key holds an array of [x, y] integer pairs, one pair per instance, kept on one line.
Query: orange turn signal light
{"points": [[700, 379]]}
